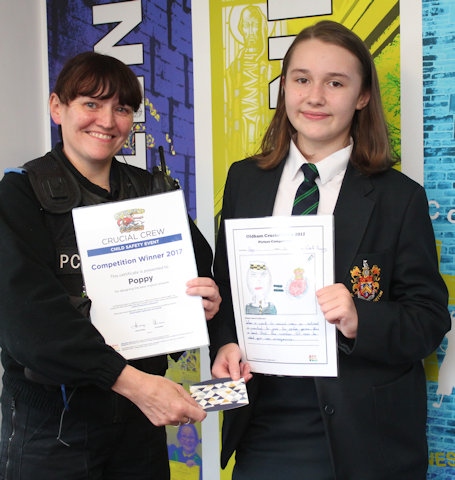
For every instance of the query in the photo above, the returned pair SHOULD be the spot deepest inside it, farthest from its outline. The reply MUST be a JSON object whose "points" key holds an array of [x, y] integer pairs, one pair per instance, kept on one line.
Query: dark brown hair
{"points": [[371, 152], [96, 75]]}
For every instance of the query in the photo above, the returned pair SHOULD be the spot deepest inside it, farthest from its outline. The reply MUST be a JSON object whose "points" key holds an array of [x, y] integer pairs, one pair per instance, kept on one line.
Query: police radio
{"points": [[162, 181]]}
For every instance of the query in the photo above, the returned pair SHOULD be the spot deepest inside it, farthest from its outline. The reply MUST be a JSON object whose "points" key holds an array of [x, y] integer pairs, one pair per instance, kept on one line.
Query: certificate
{"points": [[276, 264], [136, 257]]}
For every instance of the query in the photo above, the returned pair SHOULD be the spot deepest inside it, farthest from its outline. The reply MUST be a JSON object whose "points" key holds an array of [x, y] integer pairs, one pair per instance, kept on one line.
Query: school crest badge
{"points": [[365, 281]]}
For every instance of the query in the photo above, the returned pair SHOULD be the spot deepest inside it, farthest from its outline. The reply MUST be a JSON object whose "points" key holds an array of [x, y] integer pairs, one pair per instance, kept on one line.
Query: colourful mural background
{"points": [[185, 371], [438, 31], [154, 38], [246, 46]]}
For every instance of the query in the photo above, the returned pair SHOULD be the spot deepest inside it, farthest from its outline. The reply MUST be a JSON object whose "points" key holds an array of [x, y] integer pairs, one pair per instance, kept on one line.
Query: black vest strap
{"points": [[59, 192], [55, 187]]}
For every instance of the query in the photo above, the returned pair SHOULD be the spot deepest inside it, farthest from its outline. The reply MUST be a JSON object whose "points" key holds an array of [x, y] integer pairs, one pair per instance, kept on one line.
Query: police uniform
{"points": [[58, 369]]}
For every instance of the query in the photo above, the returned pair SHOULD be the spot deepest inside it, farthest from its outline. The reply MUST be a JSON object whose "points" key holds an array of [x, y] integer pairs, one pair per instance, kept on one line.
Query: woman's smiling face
{"points": [[93, 129]]}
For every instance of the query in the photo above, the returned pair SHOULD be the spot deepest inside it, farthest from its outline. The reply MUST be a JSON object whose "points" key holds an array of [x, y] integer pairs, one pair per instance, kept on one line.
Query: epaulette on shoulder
{"points": [[19, 170], [54, 186]]}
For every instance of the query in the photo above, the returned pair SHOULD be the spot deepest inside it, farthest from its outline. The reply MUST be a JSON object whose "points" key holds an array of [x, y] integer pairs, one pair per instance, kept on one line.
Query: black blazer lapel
{"points": [[258, 198], [352, 212]]}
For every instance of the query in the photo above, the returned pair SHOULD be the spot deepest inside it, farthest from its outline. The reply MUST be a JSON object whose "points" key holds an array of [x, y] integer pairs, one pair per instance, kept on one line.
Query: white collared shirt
{"points": [[331, 172]]}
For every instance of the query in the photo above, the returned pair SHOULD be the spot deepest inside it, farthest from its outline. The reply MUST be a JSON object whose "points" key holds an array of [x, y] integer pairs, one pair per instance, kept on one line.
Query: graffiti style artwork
{"points": [[156, 42]]}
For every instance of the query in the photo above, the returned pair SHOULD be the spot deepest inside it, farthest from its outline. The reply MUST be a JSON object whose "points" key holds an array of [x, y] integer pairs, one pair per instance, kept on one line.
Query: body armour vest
{"points": [[59, 191]]}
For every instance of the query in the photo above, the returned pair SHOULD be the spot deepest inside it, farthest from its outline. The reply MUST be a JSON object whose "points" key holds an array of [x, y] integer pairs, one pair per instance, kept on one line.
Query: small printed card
{"points": [[220, 394]]}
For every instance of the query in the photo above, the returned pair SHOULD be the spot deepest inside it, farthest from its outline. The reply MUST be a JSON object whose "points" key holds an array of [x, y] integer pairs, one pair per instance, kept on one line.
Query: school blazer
{"points": [[374, 412]]}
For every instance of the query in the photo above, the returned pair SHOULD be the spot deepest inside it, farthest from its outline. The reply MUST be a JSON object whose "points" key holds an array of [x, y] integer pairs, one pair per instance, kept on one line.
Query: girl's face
{"points": [[323, 89], [93, 130], [188, 440]]}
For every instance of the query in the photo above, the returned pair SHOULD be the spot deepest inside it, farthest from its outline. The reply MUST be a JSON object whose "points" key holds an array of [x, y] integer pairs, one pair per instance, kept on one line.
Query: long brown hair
{"points": [[371, 152]]}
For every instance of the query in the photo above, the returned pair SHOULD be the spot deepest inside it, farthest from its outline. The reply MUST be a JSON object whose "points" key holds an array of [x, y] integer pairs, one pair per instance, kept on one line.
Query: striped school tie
{"points": [[306, 199]]}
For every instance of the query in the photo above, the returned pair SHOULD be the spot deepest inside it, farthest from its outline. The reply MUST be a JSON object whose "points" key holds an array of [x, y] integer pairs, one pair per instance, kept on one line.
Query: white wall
{"points": [[24, 123]]}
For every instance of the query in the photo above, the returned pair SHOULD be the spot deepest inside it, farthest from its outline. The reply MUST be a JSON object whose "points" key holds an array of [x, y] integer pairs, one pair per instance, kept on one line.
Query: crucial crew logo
{"points": [[130, 220]]}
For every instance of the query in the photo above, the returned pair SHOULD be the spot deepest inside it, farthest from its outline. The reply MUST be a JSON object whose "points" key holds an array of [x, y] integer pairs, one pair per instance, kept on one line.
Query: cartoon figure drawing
{"points": [[259, 282], [130, 220], [247, 80], [298, 285], [446, 377], [189, 441]]}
